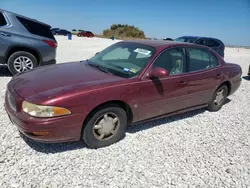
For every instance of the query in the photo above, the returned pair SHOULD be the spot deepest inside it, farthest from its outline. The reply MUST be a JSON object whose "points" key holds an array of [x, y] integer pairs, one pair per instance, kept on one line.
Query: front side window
{"points": [[2, 20], [200, 59], [123, 59], [172, 60]]}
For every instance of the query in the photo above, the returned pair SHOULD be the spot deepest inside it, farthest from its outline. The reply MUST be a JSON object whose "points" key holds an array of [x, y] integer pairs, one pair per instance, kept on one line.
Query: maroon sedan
{"points": [[128, 82], [85, 34]]}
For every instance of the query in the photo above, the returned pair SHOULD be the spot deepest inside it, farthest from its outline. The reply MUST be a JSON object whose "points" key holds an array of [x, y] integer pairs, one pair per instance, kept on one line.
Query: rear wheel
{"points": [[106, 126], [21, 62], [219, 99]]}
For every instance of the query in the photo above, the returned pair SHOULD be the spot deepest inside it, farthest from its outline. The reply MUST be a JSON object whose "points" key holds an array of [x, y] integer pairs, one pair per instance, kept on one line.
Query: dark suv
{"points": [[56, 31], [25, 43], [213, 43]]}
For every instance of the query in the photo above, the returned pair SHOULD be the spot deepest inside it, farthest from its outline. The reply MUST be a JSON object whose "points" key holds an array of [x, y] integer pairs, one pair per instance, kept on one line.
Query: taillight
{"points": [[223, 48], [50, 43]]}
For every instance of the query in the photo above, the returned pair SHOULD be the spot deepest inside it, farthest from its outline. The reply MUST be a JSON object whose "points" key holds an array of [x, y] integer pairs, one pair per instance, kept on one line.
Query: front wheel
{"points": [[219, 99], [21, 62], [106, 126]]}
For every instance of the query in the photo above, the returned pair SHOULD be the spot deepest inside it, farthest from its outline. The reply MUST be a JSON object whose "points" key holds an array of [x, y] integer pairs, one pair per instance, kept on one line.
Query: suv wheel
{"points": [[21, 62]]}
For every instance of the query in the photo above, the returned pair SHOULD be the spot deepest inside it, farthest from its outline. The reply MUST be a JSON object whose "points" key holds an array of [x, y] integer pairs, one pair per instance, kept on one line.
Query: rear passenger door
{"points": [[204, 76]]}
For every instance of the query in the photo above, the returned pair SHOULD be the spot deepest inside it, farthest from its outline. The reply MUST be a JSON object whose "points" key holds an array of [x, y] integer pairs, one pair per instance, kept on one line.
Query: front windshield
{"points": [[123, 59]]}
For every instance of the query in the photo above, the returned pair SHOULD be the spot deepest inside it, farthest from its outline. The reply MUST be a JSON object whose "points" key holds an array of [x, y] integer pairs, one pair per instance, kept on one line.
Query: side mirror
{"points": [[97, 53], [157, 72]]}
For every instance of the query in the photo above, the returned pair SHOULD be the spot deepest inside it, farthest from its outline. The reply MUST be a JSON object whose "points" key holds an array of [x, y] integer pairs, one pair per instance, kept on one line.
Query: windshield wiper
{"points": [[101, 68]]}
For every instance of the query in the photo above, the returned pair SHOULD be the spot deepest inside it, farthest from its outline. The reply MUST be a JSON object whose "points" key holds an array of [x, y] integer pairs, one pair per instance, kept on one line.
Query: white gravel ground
{"points": [[197, 149]]}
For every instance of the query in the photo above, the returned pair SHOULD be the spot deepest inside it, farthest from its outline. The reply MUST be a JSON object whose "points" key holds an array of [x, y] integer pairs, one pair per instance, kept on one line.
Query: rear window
{"points": [[36, 28], [213, 43], [2, 20]]}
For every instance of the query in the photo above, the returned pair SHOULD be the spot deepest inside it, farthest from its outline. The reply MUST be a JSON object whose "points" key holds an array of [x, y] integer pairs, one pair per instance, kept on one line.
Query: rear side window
{"points": [[2, 20], [36, 28], [201, 41], [212, 43], [213, 60], [200, 59]]}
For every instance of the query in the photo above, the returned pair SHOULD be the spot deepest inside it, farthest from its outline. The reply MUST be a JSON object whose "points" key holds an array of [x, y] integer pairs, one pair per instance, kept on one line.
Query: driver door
{"points": [[165, 95]]}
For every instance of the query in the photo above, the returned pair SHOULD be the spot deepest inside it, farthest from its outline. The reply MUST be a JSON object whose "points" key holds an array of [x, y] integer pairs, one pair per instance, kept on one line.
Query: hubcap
{"points": [[22, 64], [219, 97], [106, 126]]}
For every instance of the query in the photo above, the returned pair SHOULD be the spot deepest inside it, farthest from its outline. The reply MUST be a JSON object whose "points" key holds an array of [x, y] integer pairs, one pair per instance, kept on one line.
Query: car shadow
{"points": [[63, 147], [227, 101], [154, 123], [246, 78], [53, 148], [4, 71]]}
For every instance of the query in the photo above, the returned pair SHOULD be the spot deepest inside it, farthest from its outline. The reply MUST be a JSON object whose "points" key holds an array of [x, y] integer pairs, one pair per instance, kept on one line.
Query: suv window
{"points": [[36, 28], [2, 20], [201, 41], [200, 59], [172, 60], [212, 43]]}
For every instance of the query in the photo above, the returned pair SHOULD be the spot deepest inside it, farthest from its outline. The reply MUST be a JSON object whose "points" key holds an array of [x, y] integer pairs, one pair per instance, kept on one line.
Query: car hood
{"points": [[54, 80]]}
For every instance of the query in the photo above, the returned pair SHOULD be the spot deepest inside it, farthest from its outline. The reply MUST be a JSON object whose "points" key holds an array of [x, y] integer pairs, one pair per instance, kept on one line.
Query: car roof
{"points": [[160, 43], [191, 36], [19, 15], [198, 37]]}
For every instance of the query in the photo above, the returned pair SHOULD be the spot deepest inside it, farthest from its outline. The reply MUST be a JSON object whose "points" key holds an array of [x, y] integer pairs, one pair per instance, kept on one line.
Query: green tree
{"points": [[124, 31]]}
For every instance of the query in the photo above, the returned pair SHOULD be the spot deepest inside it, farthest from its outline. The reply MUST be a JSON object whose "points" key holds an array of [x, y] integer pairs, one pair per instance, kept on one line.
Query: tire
{"points": [[89, 134], [23, 55], [214, 105]]}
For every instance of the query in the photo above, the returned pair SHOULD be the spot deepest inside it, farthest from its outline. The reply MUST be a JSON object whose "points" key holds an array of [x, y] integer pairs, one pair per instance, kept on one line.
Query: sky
{"points": [[228, 20]]}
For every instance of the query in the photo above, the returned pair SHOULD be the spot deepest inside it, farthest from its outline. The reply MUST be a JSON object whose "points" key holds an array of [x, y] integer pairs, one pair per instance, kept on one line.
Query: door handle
{"points": [[183, 82], [4, 34], [219, 74]]}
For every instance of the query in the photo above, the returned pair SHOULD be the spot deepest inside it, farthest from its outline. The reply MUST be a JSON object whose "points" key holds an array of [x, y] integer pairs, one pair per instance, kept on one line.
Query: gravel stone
{"points": [[195, 149]]}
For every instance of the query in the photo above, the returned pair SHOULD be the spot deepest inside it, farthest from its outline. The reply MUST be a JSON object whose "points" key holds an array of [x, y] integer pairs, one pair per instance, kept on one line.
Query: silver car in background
{"points": [[25, 43]]}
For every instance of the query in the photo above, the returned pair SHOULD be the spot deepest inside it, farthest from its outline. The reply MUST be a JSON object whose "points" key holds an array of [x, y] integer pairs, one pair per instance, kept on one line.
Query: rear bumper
{"points": [[51, 62]]}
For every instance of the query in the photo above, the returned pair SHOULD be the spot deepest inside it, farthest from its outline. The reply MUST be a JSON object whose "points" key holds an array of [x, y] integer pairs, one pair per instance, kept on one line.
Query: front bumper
{"points": [[59, 129]]}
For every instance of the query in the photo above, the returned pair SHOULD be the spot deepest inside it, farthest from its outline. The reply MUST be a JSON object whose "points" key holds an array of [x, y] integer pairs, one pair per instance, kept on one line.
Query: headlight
{"points": [[43, 111]]}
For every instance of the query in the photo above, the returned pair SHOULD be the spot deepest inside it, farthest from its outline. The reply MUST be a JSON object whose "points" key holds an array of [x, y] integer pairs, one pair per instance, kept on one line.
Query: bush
{"points": [[124, 31]]}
